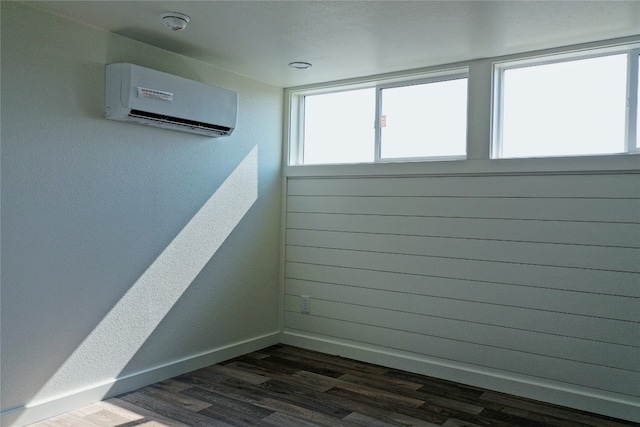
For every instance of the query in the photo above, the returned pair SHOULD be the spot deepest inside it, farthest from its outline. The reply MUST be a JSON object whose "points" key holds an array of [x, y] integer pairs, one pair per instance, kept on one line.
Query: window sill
{"points": [[619, 163]]}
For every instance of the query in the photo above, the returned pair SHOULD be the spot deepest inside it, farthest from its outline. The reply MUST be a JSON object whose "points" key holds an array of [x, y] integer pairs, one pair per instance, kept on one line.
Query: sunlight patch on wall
{"points": [[113, 343]]}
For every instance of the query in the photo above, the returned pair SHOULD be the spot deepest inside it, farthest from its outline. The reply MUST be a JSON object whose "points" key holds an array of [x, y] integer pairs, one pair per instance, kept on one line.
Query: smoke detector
{"points": [[175, 21]]}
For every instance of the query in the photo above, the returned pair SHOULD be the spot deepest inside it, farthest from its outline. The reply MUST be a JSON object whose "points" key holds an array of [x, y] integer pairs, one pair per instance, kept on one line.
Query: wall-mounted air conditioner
{"points": [[141, 95]]}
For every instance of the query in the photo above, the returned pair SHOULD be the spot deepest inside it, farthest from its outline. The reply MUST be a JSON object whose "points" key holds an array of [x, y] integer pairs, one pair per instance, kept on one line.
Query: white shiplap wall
{"points": [[533, 278]]}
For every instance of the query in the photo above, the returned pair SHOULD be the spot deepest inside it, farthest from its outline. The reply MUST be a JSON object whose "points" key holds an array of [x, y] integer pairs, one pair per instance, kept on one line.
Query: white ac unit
{"points": [[149, 97]]}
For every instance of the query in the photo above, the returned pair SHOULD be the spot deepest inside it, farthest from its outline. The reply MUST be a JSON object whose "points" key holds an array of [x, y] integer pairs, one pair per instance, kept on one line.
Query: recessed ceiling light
{"points": [[300, 65], [175, 21]]}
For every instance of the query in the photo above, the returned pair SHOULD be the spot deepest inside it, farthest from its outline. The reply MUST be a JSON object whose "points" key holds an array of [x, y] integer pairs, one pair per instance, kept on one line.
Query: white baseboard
{"points": [[559, 394], [37, 411]]}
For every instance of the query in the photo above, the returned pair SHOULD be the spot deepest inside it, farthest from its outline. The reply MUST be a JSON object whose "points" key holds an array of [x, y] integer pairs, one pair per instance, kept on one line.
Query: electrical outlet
{"points": [[306, 304]]}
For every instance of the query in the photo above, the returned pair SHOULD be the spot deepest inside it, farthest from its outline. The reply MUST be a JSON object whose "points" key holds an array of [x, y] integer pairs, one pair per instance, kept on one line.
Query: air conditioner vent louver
{"points": [[192, 124], [144, 96]]}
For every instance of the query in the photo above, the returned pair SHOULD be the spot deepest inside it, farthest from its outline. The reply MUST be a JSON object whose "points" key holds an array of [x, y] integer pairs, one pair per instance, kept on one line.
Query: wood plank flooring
{"points": [[287, 386]]}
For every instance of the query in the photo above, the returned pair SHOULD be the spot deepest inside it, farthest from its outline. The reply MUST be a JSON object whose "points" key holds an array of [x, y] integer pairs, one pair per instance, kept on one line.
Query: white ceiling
{"points": [[345, 39]]}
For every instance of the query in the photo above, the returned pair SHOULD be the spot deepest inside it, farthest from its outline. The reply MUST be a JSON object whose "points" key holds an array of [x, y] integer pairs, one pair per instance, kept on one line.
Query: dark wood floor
{"points": [[287, 386]]}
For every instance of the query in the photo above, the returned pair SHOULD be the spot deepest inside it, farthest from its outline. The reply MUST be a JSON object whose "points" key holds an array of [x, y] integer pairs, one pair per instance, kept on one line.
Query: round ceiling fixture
{"points": [[298, 65], [175, 21]]}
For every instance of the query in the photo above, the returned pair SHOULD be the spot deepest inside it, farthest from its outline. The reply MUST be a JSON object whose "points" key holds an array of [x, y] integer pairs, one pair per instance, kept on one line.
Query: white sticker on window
{"points": [[155, 94]]}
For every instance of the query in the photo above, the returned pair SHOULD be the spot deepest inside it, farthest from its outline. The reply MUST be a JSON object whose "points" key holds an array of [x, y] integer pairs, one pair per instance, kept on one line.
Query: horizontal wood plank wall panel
{"points": [[527, 297], [587, 257], [507, 316], [596, 281], [536, 275], [560, 232], [553, 209], [562, 347]]}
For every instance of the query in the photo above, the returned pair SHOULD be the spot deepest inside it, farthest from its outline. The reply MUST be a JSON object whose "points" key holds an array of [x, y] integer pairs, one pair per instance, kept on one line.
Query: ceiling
{"points": [[346, 39]]}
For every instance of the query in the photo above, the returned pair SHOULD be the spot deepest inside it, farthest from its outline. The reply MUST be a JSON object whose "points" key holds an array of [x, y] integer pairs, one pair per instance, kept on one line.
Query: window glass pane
{"points": [[425, 120], [339, 127], [567, 108]]}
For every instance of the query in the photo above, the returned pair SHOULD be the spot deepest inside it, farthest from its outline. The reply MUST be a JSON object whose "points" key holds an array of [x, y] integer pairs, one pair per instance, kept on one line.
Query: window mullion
{"points": [[295, 119], [498, 112], [300, 123], [632, 101], [376, 124]]}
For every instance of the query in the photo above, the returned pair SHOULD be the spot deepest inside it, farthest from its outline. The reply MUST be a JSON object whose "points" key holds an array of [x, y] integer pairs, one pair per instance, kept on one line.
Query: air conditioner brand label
{"points": [[146, 93]]}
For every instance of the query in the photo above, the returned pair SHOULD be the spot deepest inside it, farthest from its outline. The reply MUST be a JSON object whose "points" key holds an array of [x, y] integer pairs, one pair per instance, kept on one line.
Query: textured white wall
{"points": [[93, 289]]}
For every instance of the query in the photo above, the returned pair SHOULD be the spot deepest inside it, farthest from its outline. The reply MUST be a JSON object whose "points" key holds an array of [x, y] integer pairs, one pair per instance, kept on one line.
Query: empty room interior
{"points": [[449, 189]]}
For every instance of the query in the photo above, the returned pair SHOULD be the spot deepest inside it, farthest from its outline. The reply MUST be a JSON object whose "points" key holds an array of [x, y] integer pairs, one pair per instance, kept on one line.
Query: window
{"points": [[396, 121], [338, 127], [579, 102], [567, 106], [427, 120]]}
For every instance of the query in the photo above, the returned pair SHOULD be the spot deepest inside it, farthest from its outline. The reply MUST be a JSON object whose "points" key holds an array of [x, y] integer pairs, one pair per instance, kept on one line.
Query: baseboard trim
{"points": [[38, 411], [585, 400]]}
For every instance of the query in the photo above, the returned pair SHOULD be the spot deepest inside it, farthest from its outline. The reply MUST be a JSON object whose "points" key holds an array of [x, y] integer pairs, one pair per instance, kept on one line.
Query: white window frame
{"points": [[296, 98], [633, 76], [631, 51]]}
